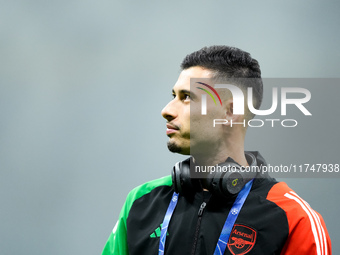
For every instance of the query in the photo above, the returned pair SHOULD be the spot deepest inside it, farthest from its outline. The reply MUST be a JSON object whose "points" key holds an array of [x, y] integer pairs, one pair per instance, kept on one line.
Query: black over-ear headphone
{"points": [[228, 182]]}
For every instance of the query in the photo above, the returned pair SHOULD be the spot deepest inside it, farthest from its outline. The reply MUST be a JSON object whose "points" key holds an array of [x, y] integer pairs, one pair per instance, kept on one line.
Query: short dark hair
{"points": [[229, 64]]}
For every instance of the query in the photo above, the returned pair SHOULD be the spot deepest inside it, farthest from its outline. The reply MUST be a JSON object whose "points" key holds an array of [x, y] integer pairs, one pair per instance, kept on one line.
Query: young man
{"points": [[215, 212]]}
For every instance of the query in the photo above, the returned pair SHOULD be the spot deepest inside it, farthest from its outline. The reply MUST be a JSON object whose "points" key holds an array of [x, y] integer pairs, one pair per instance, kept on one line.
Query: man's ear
{"points": [[229, 112]]}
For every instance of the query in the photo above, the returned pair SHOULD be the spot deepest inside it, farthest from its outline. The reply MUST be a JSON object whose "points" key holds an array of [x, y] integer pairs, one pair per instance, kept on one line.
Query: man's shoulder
{"points": [[149, 186], [294, 206], [307, 229], [143, 190], [282, 195]]}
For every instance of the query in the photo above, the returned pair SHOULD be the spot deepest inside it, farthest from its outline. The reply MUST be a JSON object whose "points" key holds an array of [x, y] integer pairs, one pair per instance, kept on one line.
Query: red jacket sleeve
{"points": [[307, 230]]}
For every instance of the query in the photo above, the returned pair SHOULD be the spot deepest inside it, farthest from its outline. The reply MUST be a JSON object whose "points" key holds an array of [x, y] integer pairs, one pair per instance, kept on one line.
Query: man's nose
{"points": [[169, 111]]}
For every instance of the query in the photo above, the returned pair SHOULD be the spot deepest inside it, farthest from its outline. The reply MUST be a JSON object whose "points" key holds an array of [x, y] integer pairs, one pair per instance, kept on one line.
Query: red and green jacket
{"points": [[273, 220]]}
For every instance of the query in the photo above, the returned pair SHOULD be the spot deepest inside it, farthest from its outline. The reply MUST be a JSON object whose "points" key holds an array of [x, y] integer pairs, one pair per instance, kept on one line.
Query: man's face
{"points": [[185, 110]]}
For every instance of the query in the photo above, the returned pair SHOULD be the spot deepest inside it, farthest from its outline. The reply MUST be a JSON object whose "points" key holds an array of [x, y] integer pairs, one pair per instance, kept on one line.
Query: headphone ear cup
{"points": [[186, 181], [176, 177], [232, 183], [227, 182], [181, 179], [214, 183], [231, 180]]}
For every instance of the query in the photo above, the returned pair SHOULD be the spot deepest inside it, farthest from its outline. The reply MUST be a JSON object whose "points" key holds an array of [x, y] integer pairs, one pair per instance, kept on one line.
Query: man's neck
{"points": [[214, 157]]}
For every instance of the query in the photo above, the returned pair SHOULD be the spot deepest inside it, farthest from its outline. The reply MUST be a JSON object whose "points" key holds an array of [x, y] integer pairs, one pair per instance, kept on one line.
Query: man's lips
{"points": [[171, 128]]}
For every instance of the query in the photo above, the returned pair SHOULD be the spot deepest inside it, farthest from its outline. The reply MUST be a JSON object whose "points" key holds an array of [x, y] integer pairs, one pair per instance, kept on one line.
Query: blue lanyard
{"points": [[228, 225], [232, 216], [166, 221]]}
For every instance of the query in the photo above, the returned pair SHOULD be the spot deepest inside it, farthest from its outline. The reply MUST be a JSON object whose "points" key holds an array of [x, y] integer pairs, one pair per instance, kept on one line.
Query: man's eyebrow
{"points": [[184, 91]]}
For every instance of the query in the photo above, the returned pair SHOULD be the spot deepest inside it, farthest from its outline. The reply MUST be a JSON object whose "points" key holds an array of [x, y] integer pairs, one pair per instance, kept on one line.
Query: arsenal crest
{"points": [[242, 239]]}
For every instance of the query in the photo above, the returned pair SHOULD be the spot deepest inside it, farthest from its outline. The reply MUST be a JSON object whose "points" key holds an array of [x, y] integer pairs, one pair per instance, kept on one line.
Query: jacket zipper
{"points": [[200, 213]]}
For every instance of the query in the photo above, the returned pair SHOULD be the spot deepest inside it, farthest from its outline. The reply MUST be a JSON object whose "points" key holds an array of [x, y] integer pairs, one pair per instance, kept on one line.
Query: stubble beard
{"points": [[173, 147]]}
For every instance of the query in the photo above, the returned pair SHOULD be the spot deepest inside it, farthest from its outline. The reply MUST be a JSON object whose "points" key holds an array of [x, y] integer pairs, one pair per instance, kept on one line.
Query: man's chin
{"points": [[175, 148]]}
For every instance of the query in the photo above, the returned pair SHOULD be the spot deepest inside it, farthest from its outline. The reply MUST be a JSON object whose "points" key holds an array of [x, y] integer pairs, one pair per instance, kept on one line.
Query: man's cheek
{"points": [[195, 109]]}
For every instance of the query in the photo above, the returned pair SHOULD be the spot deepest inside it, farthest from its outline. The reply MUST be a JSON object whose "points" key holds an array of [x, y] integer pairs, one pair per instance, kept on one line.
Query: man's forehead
{"points": [[191, 75]]}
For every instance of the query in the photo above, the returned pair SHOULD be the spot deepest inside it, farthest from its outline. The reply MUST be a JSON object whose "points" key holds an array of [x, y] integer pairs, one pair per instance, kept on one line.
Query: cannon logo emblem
{"points": [[242, 239]]}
